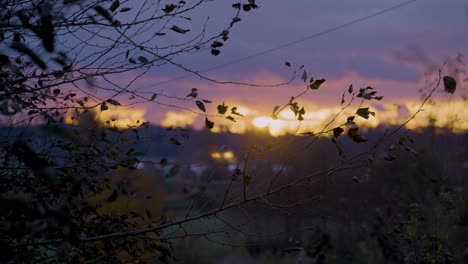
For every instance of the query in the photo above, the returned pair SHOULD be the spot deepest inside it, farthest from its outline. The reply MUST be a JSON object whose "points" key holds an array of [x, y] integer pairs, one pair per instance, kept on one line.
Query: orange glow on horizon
{"points": [[287, 122], [177, 119], [118, 117], [453, 116], [440, 114], [261, 122], [322, 106]]}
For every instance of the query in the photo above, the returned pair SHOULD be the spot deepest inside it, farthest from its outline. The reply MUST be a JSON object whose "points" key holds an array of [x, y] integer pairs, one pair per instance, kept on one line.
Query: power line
{"points": [[292, 43]]}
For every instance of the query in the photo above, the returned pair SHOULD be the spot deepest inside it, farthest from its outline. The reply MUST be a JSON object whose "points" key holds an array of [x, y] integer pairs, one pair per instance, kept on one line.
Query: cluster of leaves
{"points": [[246, 7], [312, 84], [222, 108], [367, 93], [293, 105], [241, 176], [224, 35], [298, 112], [56, 199], [19, 95], [33, 68]]}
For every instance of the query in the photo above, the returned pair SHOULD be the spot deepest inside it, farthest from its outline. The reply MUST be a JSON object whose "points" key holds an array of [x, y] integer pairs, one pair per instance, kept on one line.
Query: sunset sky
{"points": [[390, 52]]}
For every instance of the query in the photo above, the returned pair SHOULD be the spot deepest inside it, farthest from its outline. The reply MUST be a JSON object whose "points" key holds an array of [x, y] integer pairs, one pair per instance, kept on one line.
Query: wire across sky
{"points": [[291, 43]]}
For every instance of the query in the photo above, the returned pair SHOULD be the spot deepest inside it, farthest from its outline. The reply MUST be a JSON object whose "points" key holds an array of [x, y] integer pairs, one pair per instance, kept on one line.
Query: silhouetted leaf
{"points": [[116, 23], [47, 33], [316, 84], [175, 142], [355, 136], [368, 93], [304, 76], [193, 93], [153, 97], [113, 102], [364, 112], [179, 30], [233, 21], [231, 118], [104, 106], [125, 9], [200, 105], [169, 8], [248, 7], [215, 52], [143, 60], [222, 109], [294, 107], [350, 89], [225, 35], [114, 5], [216, 44], [208, 123], [450, 84], [337, 131], [235, 112], [274, 114], [301, 114], [104, 13], [287, 64], [22, 48]]}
